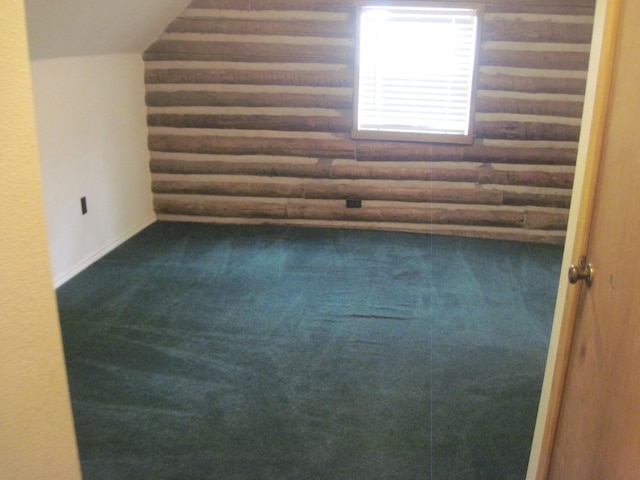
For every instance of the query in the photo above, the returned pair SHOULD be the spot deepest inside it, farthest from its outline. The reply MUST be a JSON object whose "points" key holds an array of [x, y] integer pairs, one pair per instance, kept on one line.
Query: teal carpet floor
{"points": [[199, 351]]}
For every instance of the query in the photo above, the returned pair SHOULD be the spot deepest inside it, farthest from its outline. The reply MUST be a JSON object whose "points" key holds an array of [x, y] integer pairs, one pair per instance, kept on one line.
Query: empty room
{"points": [[307, 239]]}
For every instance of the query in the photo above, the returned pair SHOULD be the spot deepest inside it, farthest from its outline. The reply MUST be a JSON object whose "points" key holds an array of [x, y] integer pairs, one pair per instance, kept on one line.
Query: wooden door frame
{"points": [[607, 13]]}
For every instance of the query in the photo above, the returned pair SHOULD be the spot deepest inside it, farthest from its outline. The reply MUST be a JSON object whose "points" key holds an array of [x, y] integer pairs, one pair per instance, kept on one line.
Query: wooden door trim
{"points": [[593, 128]]}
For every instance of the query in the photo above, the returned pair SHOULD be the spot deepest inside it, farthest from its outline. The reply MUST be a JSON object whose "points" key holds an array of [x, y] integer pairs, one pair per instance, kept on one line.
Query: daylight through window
{"points": [[416, 71]]}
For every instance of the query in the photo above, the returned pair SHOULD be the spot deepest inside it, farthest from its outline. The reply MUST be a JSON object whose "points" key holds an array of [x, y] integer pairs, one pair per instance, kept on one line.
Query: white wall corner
{"points": [[64, 277]]}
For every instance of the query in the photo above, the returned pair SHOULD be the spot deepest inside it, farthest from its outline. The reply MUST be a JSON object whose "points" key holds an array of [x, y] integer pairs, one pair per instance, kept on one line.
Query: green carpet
{"points": [[199, 351]]}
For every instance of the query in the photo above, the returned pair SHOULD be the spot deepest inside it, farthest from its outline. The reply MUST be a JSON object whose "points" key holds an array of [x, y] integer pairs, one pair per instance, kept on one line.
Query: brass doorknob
{"points": [[582, 271]]}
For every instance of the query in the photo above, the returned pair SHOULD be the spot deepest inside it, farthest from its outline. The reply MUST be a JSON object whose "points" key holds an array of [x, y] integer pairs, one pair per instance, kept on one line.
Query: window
{"points": [[415, 75]]}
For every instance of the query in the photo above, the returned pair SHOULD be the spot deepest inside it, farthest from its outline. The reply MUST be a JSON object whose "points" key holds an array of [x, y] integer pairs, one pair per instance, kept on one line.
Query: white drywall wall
{"points": [[92, 134]]}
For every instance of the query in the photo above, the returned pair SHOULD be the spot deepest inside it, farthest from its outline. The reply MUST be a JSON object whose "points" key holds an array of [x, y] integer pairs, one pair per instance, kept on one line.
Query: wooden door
{"points": [[597, 435]]}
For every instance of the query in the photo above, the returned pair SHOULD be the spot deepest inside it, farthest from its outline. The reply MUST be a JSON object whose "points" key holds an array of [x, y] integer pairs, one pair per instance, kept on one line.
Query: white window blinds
{"points": [[416, 69]]}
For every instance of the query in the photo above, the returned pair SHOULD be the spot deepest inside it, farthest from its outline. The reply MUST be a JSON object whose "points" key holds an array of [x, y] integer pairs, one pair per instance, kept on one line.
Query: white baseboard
{"points": [[94, 257]]}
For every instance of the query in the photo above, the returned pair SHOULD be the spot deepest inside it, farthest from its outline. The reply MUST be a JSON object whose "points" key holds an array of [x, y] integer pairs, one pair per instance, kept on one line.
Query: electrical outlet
{"points": [[354, 203], [83, 205]]}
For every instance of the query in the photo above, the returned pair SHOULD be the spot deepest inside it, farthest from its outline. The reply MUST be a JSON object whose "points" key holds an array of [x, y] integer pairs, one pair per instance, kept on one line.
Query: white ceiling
{"points": [[69, 28]]}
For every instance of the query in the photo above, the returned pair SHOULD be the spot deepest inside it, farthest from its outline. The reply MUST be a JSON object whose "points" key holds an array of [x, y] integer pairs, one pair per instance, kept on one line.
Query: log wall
{"points": [[250, 113]]}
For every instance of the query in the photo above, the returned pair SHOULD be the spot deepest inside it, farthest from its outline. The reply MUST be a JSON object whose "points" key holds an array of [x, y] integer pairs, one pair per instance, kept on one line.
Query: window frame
{"points": [[424, 137]]}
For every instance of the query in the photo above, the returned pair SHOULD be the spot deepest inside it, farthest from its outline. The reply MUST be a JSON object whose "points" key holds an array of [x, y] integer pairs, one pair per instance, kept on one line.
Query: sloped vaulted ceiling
{"points": [[68, 28]]}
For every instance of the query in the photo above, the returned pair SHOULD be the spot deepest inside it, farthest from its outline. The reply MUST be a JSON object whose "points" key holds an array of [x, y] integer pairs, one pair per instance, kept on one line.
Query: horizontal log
{"points": [[546, 220], [533, 155], [311, 78], [410, 213], [224, 57], [381, 151], [536, 178], [257, 27], [301, 5], [247, 52], [553, 237], [267, 15], [340, 189], [398, 151], [521, 83], [531, 198], [428, 171], [338, 123], [534, 59], [333, 148], [528, 106], [367, 150], [306, 209], [579, 7], [312, 168], [230, 187], [220, 207], [228, 165], [402, 192], [248, 99], [547, 31], [510, 130]]}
